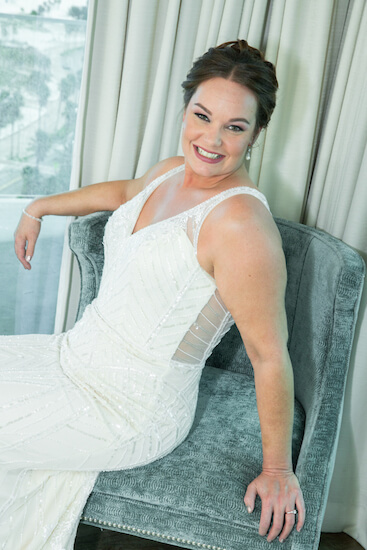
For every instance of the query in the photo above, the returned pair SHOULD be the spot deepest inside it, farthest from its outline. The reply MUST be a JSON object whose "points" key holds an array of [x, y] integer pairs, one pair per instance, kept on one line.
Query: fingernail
{"points": [[249, 509], [28, 258], [299, 529], [281, 540]]}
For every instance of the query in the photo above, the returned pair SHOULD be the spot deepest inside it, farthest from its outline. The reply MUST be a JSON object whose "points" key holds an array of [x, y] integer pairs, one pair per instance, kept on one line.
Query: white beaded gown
{"points": [[119, 389]]}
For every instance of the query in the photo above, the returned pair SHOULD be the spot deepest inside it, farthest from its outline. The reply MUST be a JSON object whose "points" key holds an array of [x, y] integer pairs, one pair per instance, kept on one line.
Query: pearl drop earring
{"points": [[248, 152]]}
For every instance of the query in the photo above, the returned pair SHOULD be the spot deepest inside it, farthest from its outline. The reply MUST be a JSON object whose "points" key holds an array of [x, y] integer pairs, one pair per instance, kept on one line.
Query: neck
{"points": [[192, 180]]}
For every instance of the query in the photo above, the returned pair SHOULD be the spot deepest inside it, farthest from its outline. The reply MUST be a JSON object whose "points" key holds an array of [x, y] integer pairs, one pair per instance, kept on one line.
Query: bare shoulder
{"points": [[242, 236], [168, 164], [153, 173], [161, 168], [244, 219]]}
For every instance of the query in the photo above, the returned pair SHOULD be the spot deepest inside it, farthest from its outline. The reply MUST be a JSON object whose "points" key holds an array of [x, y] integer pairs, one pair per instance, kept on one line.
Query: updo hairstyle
{"points": [[239, 62]]}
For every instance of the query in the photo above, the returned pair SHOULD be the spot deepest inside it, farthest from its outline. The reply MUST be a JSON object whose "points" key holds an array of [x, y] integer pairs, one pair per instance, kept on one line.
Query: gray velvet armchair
{"points": [[193, 498]]}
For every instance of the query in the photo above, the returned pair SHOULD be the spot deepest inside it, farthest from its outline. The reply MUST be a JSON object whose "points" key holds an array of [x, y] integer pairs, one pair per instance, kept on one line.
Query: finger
{"points": [[265, 519], [289, 521], [250, 497], [30, 249], [300, 505], [20, 251], [279, 520]]}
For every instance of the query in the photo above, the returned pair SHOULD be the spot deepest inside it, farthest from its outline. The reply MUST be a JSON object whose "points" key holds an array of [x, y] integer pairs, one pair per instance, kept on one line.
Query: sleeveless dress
{"points": [[118, 390]]}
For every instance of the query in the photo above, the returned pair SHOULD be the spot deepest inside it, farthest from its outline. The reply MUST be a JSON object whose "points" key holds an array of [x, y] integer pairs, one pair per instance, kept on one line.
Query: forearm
{"points": [[93, 198], [277, 485], [275, 402]]}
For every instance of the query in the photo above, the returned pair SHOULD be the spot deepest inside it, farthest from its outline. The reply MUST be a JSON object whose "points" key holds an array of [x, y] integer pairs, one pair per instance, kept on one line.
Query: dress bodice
{"points": [[154, 293]]}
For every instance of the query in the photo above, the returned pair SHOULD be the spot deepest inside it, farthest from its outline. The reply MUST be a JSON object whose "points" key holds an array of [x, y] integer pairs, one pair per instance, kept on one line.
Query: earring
{"points": [[248, 152]]}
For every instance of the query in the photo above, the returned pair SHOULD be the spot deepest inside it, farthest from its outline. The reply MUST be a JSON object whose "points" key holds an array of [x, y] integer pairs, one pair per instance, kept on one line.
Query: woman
{"points": [[190, 249]]}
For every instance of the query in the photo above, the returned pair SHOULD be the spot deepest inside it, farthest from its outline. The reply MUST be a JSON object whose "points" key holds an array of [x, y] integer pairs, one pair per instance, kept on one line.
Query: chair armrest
{"points": [[326, 297], [86, 242]]}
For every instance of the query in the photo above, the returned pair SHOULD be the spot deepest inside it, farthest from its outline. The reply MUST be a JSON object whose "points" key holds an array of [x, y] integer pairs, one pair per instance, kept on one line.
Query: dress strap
{"points": [[152, 186], [217, 199]]}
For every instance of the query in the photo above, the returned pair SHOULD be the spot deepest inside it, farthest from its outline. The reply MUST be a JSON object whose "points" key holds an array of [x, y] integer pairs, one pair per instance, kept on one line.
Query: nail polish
{"points": [[28, 258]]}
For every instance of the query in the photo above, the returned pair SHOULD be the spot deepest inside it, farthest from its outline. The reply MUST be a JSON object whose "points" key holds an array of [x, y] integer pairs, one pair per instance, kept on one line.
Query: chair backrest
{"points": [[325, 279]]}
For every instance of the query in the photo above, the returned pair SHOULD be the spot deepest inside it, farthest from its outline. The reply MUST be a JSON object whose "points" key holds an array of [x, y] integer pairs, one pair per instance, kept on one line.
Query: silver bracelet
{"points": [[33, 217]]}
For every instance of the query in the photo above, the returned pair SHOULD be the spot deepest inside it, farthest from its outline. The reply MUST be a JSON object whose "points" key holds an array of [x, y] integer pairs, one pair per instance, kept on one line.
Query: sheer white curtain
{"points": [[310, 163]]}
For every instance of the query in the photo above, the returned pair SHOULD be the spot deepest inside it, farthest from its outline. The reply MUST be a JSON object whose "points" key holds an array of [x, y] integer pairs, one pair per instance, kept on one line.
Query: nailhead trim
{"points": [[151, 533]]}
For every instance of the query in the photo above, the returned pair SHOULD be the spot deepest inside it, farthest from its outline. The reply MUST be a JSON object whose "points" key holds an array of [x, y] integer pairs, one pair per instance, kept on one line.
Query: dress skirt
{"points": [[63, 420]]}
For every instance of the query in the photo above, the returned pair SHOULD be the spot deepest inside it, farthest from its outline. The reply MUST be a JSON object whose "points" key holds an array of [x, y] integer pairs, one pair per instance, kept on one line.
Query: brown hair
{"points": [[239, 62]]}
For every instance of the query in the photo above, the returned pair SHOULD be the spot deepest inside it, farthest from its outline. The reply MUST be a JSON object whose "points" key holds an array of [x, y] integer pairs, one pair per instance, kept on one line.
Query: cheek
{"points": [[239, 146], [185, 136], [188, 130]]}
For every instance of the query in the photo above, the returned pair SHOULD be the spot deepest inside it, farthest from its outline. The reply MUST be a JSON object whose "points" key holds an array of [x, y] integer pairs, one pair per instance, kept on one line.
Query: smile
{"points": [[207, 155]]}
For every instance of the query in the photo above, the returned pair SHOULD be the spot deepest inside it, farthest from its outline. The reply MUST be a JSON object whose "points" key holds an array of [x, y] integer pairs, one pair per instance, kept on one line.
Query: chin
{"points": [[212, 170], [203, 169]]}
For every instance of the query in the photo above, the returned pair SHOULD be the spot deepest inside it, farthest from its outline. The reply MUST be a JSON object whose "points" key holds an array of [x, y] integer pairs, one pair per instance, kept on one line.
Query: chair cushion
{"points": [[206, 476]]}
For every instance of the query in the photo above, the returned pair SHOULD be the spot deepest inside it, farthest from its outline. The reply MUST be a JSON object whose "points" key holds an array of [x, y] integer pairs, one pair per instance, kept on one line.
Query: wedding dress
{"points": [[118, 390]]}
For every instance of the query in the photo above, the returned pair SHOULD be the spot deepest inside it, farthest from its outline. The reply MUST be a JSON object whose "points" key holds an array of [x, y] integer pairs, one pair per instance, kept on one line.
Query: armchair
{"points": [[193, 498]]}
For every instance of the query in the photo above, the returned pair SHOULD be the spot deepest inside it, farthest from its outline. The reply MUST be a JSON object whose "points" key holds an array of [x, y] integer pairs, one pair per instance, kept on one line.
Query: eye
{"points": [[202, 117], [235, 128]]}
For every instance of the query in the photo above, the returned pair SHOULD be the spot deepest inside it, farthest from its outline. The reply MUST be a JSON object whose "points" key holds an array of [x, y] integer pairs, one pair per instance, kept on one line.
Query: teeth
{"points": [[208, 155]]}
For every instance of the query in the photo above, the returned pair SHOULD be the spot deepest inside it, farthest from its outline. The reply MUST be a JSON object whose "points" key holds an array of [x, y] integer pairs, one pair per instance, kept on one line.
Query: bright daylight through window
{"points": [[41, 59]]}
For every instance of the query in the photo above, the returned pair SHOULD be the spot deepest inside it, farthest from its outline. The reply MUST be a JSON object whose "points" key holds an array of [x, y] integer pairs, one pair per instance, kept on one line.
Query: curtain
{"points": [[337, 203], [310, 163]]}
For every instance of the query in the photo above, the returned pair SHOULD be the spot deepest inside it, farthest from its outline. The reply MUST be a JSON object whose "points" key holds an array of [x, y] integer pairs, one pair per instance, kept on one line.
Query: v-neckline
{"points": [[157, 182]]}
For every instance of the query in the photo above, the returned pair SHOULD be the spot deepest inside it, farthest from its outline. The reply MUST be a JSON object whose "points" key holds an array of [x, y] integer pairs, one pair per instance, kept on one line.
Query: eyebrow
{"points": [[231, 120]]}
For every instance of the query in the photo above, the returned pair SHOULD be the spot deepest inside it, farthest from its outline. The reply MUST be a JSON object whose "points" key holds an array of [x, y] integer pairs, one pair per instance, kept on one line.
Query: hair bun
{"points": [[239, 46]]}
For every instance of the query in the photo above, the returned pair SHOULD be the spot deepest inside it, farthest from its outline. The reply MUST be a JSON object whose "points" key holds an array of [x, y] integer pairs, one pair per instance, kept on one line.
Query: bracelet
{"points": [[33, 217]]}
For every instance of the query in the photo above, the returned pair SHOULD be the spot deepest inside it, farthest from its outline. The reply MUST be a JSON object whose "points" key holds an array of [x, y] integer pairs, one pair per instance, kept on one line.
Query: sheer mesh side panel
{"points": [[213, 318], [199, 337]]}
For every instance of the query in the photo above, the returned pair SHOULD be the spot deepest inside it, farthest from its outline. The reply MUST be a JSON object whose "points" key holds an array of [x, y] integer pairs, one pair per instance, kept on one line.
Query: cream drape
{"points": [[338, 204], [311, 162]]}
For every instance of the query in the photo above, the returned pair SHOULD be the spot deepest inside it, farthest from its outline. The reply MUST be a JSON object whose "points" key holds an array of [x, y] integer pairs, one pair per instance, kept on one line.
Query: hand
{"points": [[26, 235], [279, 492]]}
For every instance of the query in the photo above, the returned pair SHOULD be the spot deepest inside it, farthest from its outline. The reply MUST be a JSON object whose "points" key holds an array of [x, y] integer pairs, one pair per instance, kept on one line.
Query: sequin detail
{"points": [[118, 390]]}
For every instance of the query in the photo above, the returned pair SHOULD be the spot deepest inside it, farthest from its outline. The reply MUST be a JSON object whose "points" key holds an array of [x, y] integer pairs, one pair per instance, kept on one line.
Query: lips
{"points": [[207, 156]]}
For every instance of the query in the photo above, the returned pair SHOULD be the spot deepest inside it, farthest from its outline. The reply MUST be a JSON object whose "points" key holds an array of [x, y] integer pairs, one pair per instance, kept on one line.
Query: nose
{"points": [[214, 136]]}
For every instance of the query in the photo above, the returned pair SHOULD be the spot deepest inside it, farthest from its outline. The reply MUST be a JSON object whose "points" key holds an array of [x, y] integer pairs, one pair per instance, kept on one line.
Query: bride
{"points": [[190, 249]]}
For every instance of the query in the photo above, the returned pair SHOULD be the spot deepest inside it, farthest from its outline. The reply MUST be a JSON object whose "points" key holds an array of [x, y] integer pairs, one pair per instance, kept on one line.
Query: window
{"points": [[41, 59]]}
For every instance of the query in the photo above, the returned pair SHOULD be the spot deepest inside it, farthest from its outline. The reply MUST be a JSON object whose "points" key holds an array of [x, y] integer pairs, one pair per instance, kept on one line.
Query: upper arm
{"points": [[97, 197], [250, 272]]}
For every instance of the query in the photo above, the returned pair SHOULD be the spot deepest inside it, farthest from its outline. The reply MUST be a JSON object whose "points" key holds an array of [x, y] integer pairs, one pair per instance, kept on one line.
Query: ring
{"points": [[292, 512]]}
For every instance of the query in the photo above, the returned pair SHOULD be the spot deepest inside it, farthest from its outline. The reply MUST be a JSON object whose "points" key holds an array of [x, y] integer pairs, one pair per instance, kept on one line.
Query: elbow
{"points": [[268, 356]]}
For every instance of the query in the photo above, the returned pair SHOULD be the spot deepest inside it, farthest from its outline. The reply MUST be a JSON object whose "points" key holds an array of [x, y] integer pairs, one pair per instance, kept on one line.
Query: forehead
{"points": [[219, 94]]}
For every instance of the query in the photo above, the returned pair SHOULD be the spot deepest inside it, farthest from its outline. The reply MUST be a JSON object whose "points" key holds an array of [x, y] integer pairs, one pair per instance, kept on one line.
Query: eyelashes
{"points": [[235, 128], [232, 127], [202, 116]]}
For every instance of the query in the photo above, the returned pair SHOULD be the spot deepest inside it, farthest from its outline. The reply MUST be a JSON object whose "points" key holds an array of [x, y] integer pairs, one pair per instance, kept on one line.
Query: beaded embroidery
{"points": [[117, 391]]}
